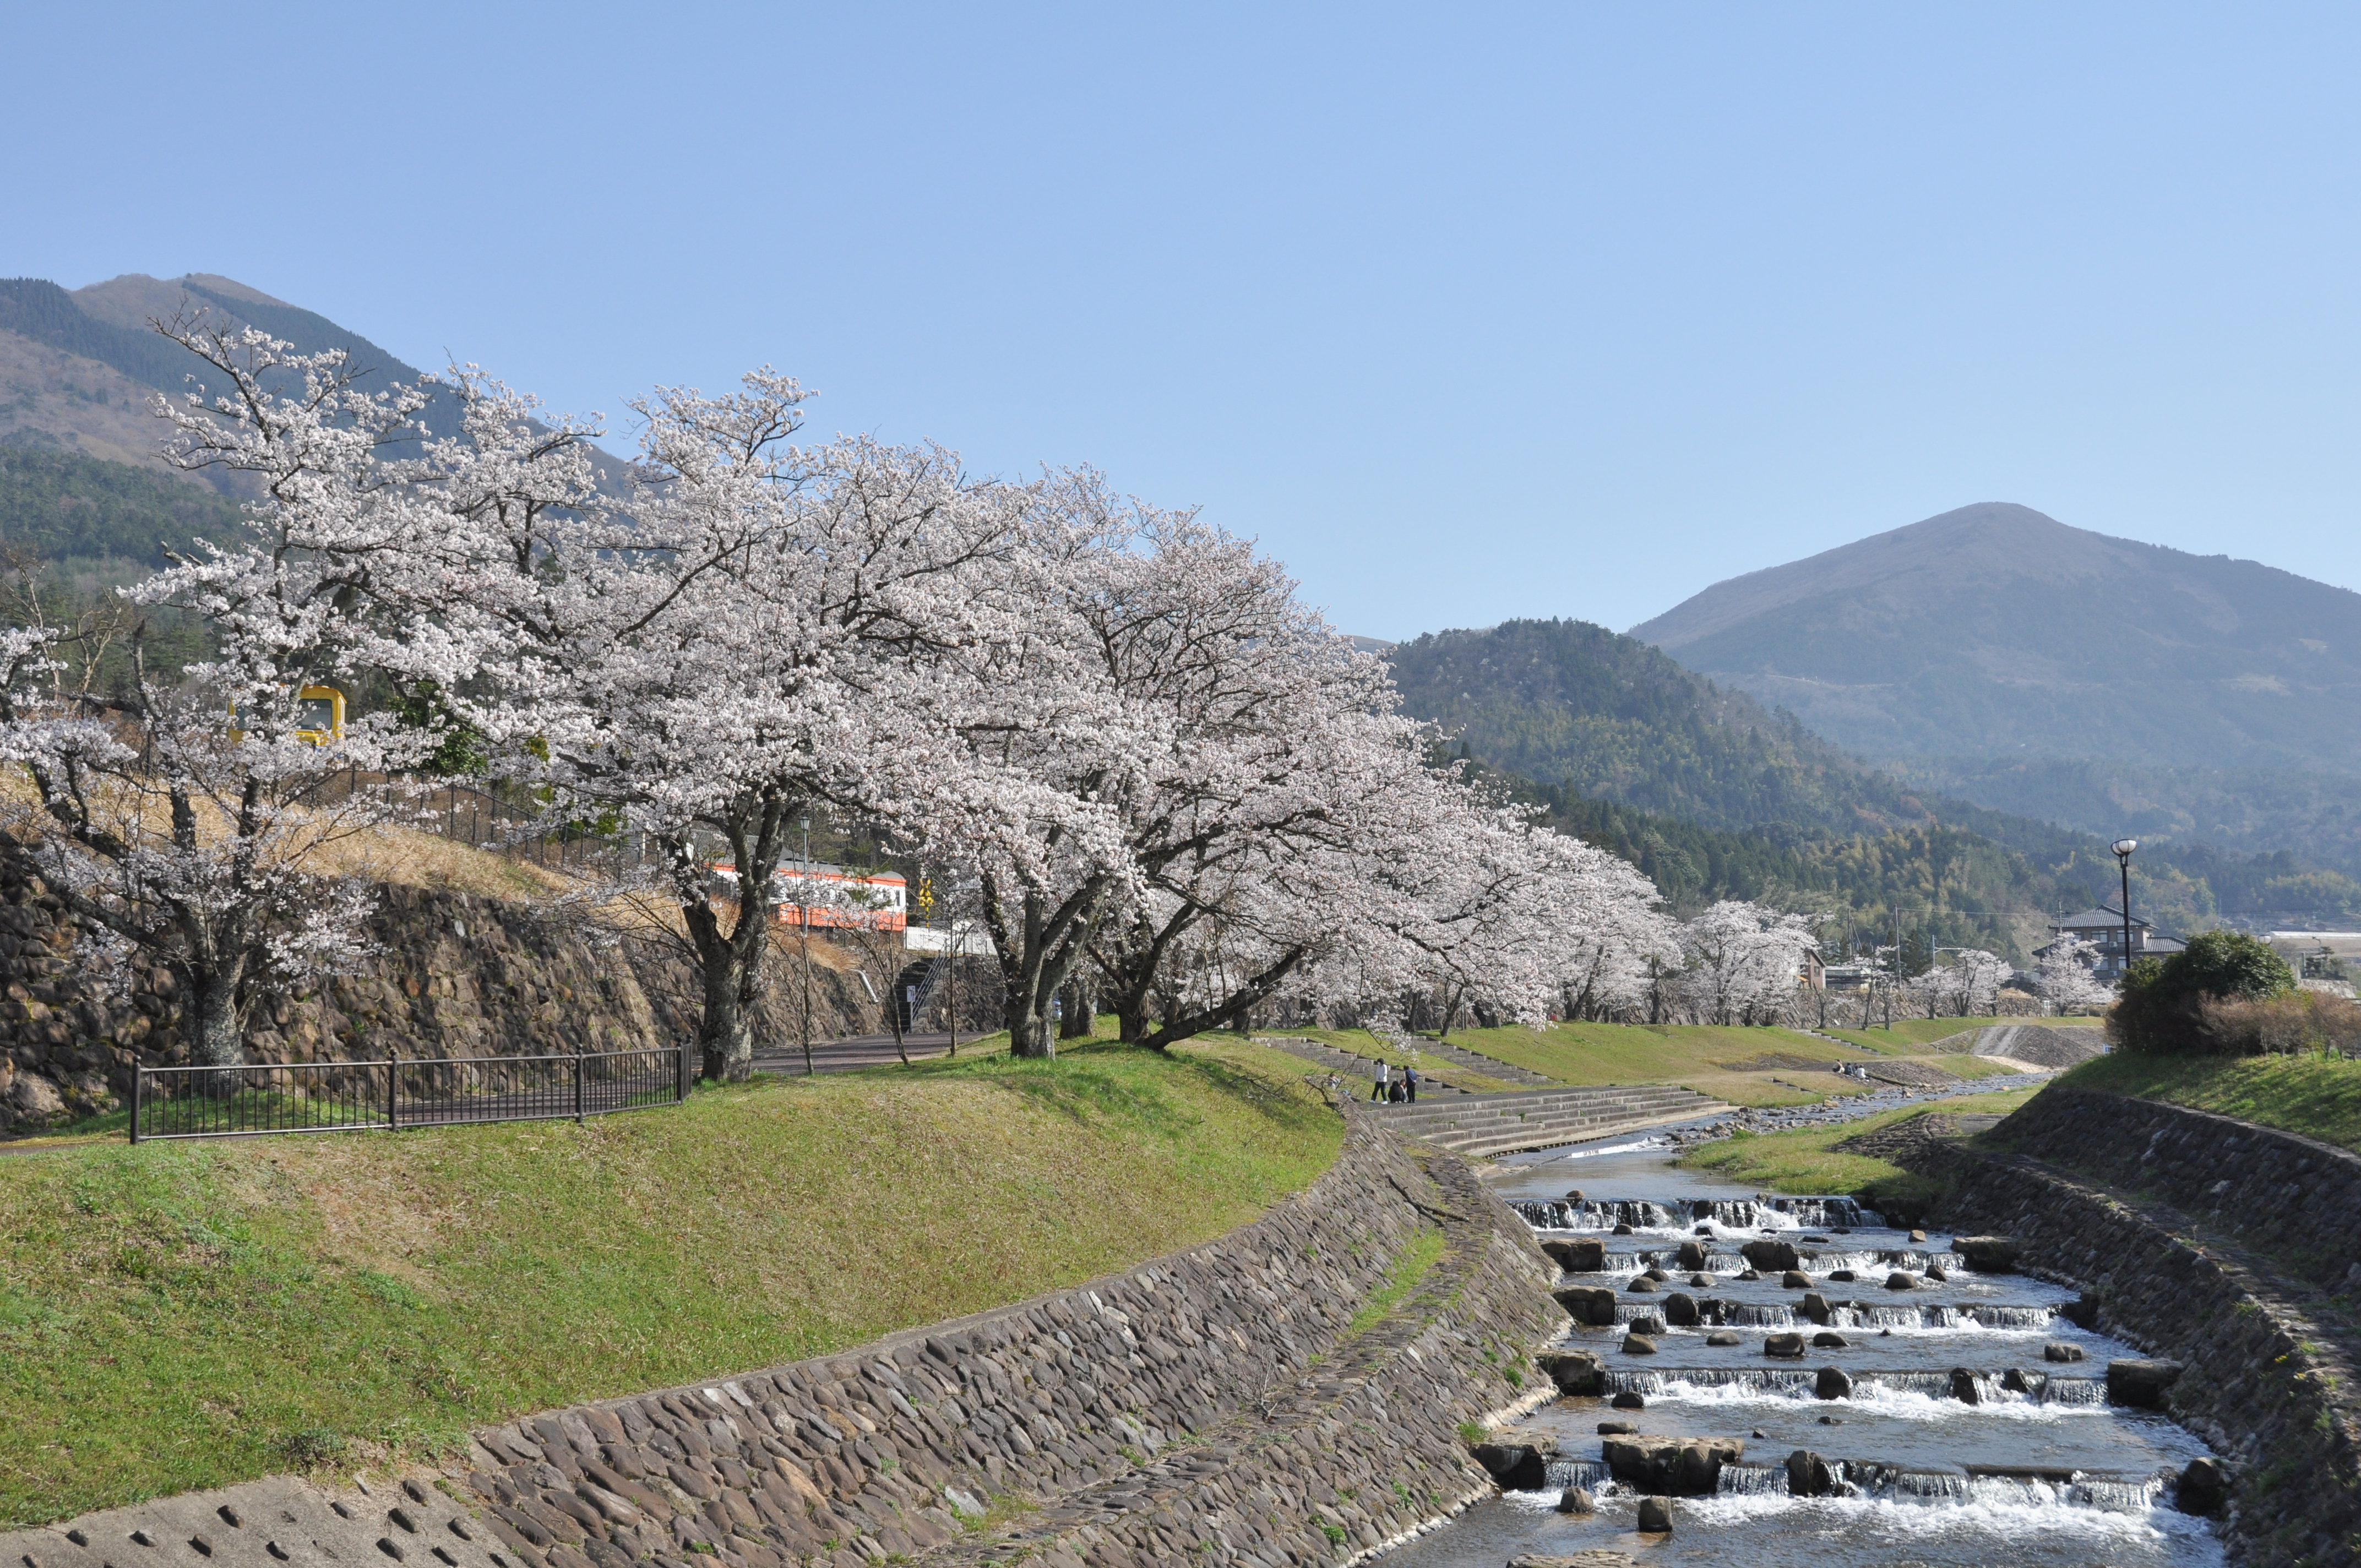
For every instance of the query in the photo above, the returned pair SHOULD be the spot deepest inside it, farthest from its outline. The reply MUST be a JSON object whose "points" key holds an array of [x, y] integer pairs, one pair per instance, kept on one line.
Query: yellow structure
{"points": [[321, 711]]}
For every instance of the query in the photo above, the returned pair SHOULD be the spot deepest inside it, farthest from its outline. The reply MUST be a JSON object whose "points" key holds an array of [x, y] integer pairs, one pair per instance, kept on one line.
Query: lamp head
{"points": [[2124, 848]]}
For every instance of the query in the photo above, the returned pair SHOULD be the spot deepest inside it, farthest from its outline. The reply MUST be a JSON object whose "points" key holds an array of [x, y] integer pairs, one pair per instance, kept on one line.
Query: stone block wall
{"points": [[1219, 1406], [454, 976], [2221, 1246]]}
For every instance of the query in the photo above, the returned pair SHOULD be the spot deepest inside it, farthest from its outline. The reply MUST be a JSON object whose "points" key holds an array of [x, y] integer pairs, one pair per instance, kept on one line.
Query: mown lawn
{"points": [[1693, 1056], [1808, 1161], [1362, 1042], [1910, 1037], [188, 1315], [2317, 1096]]}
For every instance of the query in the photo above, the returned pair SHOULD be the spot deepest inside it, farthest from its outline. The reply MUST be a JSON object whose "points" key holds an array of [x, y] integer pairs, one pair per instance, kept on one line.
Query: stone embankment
{"points": [[453, 975], [2228, 1252], [1290, 1392]]}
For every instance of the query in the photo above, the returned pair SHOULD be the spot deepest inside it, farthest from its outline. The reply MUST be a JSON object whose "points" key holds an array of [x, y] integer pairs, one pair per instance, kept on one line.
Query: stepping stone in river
{"points": [[2061, 1349]]}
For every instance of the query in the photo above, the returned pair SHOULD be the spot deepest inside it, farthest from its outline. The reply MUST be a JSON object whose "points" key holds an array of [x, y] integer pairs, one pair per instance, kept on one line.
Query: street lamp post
{"points": [[2123, 849]]}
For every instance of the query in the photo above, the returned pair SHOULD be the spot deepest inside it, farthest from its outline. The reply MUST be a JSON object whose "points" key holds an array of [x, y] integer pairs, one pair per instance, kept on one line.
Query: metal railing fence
{"points": [[418, 1091]]}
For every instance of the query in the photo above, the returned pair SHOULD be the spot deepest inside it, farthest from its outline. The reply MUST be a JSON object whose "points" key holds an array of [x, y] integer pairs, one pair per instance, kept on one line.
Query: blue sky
{"points": [[1467, 313]]}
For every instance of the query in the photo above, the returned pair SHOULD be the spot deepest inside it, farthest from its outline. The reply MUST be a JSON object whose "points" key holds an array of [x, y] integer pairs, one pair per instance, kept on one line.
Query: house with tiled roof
{"points": [[2103, 928]]}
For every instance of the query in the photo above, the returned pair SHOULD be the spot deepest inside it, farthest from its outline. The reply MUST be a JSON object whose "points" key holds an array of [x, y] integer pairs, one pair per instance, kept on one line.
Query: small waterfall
{"points": [[1758, 1315], [2011, 1317], [2117, 1496], [1779, 1383], [1900, 1485], [2022, 1491], [1591, 1216], [1588, 1473], [1752, 1481], [2074, 1391]]}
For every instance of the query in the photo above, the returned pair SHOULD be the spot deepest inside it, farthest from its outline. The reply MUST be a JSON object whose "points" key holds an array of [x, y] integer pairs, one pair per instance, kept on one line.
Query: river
{"points": [[2040, 1470]]}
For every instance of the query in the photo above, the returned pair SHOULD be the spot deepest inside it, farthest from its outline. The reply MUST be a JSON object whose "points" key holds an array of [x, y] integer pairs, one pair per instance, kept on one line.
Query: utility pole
{"points": [[2123, 849]]}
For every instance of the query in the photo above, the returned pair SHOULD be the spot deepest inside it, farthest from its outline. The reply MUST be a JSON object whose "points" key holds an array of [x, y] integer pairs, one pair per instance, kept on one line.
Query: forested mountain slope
{"points": [[1716, 797]]}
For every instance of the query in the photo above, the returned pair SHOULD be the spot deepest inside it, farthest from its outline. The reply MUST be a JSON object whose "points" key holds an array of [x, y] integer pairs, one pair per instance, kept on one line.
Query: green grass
{"points": [[179, 1315], [1689, 1054], [1361, 1043], [1425, 1251], [2319, 1097], [1909, 1037], [1807, 1162]]}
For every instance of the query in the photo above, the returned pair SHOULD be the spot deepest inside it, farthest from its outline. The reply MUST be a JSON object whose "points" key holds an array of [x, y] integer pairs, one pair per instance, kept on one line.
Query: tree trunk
{"points": [[1080, 1005], [725, 1034], [214, 1032]]}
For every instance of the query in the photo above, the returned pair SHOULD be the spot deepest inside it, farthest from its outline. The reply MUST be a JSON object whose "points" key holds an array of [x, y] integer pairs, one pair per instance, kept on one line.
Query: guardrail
{"points": [[418, 1091]]}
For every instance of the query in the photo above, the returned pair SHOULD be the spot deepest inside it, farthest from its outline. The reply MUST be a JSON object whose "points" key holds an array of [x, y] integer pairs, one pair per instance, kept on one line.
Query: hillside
{"points": [[1575, 705], [1998, 653], [1715, 798]]}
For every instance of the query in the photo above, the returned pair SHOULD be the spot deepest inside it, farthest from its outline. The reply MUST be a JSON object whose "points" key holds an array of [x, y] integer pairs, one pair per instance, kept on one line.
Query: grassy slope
{"points": [[1685, 1054], [1807, 1161], [1362, 1042], [1908, 1036], [2317, 1096], [171, 1315]]}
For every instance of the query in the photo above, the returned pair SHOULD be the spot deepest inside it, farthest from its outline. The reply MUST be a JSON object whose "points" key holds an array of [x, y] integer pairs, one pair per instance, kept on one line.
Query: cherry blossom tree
{"points": [[2068, 981], [200, 816], [753, 629], [1744, 961]]}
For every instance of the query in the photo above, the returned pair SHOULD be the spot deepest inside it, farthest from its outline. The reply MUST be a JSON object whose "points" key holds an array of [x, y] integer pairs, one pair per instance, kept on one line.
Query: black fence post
{"points": [[680, 1076], [139, 1079], [392, 1085], [577, 1088]]}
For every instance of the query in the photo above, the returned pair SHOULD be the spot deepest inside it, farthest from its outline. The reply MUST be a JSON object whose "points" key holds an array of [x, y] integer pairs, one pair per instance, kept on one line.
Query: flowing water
{"points": [[2037, 1470]]}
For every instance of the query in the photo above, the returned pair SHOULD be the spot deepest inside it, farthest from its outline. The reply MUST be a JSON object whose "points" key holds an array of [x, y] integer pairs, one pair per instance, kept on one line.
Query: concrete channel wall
{"points": [[1286, 1393], [2229, 1249]]}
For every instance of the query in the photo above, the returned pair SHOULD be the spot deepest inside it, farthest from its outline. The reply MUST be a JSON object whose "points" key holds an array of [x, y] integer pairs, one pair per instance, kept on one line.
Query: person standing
{"points": [[1381, 1076], [1409, 1084]]}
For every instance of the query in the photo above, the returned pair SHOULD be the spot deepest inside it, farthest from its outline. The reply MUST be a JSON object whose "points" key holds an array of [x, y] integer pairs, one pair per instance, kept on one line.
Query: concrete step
{"points": [[1528, 1119]]}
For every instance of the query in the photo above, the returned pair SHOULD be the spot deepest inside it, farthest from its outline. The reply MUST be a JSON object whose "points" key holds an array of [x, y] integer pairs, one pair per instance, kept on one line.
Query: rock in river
{"points": [[1670, 1466], [1592, 1304], [1787, 1345], [2140, 1383], [1809, 1475], [1584, 1254], [1517, 1466], [2203, 1488]]}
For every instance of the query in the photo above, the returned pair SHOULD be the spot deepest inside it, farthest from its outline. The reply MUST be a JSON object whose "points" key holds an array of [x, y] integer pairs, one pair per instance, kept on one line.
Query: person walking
{"points": [[1381, 1076], [1409, 1084]]}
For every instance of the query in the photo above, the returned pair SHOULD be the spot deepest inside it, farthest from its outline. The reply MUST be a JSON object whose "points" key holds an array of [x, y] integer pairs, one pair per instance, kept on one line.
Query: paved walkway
{"points": [[849, 1055]]}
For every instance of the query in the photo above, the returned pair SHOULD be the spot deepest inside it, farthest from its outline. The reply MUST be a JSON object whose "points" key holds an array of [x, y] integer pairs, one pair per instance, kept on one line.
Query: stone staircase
{"points": [[1479, 1124], [1458, 1055], [1353, 1070]]}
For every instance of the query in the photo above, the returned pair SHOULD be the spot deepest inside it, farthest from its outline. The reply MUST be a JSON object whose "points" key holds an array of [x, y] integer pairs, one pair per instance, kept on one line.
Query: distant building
{"points": [[1849, 977], [1814, 975], [2103, 928]]}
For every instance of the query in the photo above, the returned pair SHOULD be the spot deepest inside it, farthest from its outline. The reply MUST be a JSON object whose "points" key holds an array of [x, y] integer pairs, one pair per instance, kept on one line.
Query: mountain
{"points": [[1716, 797], [2001, 657], [79, 478]]}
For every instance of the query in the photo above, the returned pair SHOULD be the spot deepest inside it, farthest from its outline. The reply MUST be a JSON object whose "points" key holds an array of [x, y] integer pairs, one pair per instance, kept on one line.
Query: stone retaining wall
{"points": [[1220, 1406], [2215, 1243], [454, 975]]}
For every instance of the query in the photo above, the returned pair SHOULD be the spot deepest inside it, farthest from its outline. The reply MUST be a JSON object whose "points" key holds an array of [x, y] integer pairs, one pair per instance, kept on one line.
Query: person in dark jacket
{"points": [[1409, 1084]]}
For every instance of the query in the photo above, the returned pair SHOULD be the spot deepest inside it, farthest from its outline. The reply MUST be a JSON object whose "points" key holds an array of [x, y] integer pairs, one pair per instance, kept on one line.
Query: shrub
{"points": [[2300, 1021], [2162, 1008]]}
